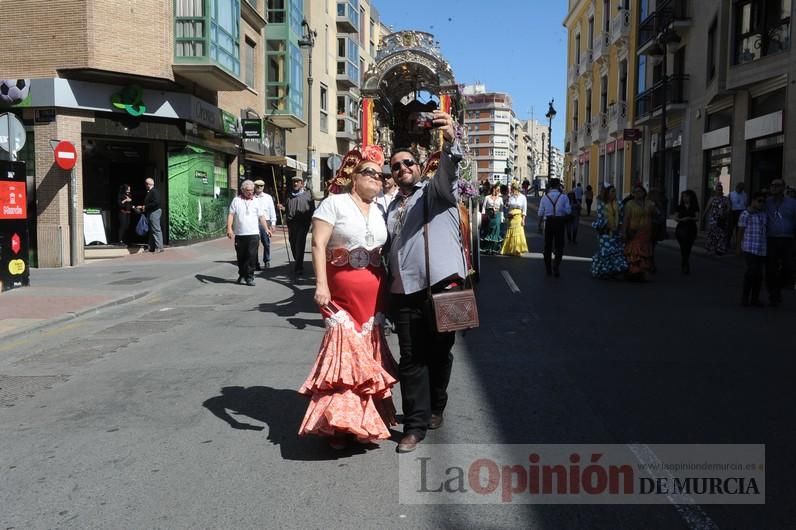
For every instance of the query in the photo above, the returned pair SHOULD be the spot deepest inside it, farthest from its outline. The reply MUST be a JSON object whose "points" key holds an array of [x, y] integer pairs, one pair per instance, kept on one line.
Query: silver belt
{"points": [[358, 258]]}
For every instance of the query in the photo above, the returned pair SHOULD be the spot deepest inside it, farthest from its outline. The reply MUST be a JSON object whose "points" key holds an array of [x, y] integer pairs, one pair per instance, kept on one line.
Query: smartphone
{"points": [[425, 120]]}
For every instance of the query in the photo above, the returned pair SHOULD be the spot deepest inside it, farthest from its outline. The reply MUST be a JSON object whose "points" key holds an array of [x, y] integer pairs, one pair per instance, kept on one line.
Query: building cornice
{"points": [[571, 16]]}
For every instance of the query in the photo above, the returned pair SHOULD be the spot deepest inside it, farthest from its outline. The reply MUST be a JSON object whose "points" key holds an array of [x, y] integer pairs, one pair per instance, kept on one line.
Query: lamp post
{"points": [[308, 41], [551, 113], [666, 37]]}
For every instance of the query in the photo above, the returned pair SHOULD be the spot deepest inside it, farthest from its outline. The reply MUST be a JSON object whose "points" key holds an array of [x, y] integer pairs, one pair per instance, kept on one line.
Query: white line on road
{"points": [[691, 512], [510, 281]]}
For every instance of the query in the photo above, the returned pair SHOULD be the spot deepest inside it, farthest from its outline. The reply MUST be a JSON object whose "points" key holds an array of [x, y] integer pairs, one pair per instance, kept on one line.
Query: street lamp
{"points": [[308, 41], [663, 40], [551, 113]]}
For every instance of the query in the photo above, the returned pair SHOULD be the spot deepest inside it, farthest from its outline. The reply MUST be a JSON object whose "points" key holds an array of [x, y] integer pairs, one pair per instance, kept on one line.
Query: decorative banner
{"points": [[367, 122]]}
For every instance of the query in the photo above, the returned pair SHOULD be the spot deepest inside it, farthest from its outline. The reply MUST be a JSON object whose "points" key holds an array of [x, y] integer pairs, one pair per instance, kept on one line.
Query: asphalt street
{"points": [[180, 410]]}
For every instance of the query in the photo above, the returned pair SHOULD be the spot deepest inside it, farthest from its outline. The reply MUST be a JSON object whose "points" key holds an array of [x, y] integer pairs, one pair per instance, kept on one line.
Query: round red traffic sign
{"points": [[65, 155]]}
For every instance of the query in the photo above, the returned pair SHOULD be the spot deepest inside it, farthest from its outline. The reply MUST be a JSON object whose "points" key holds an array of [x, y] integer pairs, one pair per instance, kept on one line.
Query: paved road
{"points": [[179, 410]]}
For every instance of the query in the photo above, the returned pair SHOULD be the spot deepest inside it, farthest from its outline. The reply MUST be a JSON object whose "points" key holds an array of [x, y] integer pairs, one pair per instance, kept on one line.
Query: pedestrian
{"points": [[738, 203], [578, 194], [526, 186], [574, 219], [493, 210], [152, 209], [388, 192], [752, 244], [125, 204], [781, 230], [515, 244], [504, 213], [267, 205], [637, 228], [426, 359], [717, 213], [299, 207], [659, 231], [351, 379], [245, 219], [588, 195], [554, 210], [687, 216], [609, 261]]}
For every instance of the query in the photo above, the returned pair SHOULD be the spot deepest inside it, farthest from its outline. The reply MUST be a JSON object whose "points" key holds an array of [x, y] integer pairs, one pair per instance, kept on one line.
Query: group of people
{"points": [[504, 215], [379, 248], [151, 209]]}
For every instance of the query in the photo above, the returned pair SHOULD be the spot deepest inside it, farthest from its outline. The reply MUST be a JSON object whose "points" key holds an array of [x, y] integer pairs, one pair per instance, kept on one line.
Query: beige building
{"points": [[490, 121], [348, 35], [196, 98], [600, 96]]}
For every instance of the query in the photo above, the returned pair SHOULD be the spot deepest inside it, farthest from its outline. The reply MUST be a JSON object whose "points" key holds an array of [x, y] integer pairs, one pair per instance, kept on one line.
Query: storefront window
{"points": [[717, 169]]}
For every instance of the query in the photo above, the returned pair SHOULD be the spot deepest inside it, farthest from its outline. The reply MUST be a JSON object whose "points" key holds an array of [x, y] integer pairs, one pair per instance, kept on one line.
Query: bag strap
{"points": [[425, 244]]}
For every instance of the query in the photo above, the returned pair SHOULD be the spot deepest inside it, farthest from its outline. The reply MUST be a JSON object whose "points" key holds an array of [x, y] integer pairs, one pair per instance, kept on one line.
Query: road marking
{"points": [[691, 512], [510, 281]]}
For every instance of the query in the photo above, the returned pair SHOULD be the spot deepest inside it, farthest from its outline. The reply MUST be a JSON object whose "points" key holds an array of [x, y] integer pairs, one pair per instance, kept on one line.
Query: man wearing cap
{"points": [[243, 219], [267, 205], [298, 209]]}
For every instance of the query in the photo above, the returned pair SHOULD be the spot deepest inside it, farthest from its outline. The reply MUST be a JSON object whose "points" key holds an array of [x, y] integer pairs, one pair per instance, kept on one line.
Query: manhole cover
{"points": [[130, 281], [14, 387]]}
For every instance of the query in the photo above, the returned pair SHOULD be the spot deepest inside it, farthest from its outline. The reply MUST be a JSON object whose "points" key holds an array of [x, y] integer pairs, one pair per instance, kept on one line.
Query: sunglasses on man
{"points": [[408, 162]]}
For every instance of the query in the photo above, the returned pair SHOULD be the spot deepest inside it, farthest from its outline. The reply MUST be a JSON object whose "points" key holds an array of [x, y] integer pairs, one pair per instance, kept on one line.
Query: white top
{"points": [[268, 207], [496, 203], [351, 227], [554, 204], [246, 216], [518, 201], [738, 200]]}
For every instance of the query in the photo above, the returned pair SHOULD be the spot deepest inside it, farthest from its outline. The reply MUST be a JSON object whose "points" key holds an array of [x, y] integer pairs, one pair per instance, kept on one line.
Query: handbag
{"points": [[142, 228], [454, 309]]}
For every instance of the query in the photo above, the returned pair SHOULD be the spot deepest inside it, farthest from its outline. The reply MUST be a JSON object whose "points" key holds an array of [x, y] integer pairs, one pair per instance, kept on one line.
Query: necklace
{"points": [[369, 239]]}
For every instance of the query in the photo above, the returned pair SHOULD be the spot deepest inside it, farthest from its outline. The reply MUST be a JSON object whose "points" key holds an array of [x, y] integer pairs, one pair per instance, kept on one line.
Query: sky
{"points": [[513, 46]]}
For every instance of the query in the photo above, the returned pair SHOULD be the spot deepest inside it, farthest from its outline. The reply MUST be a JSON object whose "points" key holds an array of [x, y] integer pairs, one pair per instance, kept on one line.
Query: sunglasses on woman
{"points": [[372, 173], [408, 162]]}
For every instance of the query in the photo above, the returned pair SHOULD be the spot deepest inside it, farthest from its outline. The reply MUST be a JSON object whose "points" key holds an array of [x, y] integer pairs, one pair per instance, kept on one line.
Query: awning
{"points": [[284, 161]]}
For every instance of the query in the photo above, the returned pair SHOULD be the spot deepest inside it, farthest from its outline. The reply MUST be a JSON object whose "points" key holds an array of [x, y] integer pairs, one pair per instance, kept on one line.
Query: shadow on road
{"points": [[280, 409], [299, 301], [203, 278]]}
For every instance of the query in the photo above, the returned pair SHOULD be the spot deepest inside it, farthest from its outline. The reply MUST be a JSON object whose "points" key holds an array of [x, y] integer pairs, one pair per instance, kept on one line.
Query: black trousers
{"points": [[779, 266], [124, 226], [246, 250], [686, 233], [553, 239], [425, 364], [752, 278], [297, 235]]}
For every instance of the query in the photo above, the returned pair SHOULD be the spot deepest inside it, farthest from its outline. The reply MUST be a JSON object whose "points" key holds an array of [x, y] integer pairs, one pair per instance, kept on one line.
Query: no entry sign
{"points": [[65, 155]]}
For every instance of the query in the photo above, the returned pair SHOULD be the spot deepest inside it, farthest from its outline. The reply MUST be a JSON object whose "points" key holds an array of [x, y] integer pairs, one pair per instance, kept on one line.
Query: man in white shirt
{"points": [[738, 203], [245, 218], [554, 210], [267, 203]]}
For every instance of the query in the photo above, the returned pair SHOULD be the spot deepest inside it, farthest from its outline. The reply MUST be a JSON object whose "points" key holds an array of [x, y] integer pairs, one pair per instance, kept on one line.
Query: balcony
{"points": [[347, 128], [620, 28], [572, 142], [347, 74], [572, 74], [584, 136], [670, 14], [650, 102], [214, 63], [599, 128], [348, 17], [617, 118], [585, 63], [602, 43]]}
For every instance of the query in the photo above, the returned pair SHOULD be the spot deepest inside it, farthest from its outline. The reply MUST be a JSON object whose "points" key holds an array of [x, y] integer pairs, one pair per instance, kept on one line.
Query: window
{"points": [[295, 15], [225, 34], [604, 94], [711, 73], [276, 81], [250, 64], [762, 28], [642, 74], [577, 48], [324, 108], [362, 22], [276, 11], [591, 32], [606, 16], [588, 106], [622, 93]]}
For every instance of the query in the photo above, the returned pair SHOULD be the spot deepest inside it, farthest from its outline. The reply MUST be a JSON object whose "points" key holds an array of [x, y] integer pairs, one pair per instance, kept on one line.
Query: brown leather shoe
{"points": [[435, 422], [408, 443]]}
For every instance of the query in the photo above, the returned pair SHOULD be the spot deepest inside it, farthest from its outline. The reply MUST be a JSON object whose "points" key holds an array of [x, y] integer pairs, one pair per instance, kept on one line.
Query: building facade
{"points": [[724, 71], [348, 36], [490, 123], [157, 91], [600, 94]]}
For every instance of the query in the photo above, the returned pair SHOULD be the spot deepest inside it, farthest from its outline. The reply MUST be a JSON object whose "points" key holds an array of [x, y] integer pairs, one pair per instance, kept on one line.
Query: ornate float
{"points": [[411, 76]]}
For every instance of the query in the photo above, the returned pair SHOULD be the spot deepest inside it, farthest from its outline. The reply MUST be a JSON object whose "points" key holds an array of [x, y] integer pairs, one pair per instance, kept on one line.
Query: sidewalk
{"points": [[58, 295]]}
